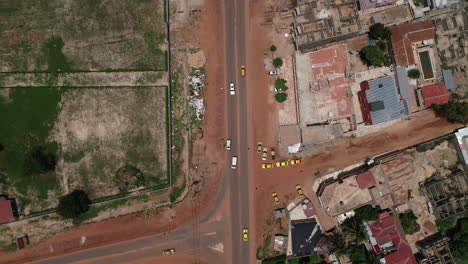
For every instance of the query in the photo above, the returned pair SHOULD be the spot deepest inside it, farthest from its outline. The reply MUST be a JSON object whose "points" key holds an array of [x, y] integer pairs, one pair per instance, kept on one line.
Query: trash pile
{"points": [[197, 83]]}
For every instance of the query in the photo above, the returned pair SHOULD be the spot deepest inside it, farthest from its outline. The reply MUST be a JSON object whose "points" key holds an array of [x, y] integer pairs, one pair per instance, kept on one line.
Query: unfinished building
{"points": [[319, 22], [435, 250], [452, 38], [448, 196]]}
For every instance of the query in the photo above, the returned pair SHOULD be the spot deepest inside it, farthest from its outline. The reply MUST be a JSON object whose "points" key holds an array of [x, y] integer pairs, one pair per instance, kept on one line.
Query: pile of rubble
{"points": [[197, 83]]}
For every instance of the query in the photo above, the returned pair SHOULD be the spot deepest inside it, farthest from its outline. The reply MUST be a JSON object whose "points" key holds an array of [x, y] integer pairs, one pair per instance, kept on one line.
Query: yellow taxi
{"points": [[299, 190], [275, 197], [245, 234], [267, 165], [282, 164], [167, 252], [295, 161], [259, 146], [242, 68]]}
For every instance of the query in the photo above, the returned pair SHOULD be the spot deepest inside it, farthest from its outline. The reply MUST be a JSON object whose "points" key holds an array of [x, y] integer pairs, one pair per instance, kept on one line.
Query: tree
{"points": [[38, 161], [354, 228], [379, 31], [414, 74], [1, 147], [454, 112], [280, 85], [372, 55], [367, 213], [73, 204], [277, 62], [273, 48], [408, 222], [337, 244], [281, 97], [382, 45]]}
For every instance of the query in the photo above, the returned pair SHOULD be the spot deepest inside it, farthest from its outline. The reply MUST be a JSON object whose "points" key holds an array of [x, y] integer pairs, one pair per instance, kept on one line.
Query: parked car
{"points": [[273, 153], [299, 190], [267, 165], [228, 145], [234, 162], [242, 70], [275, 197], [245, 234], [275, 72], [259, 146], [282, 164], [264, 154], [295, 161], [232, 89]]}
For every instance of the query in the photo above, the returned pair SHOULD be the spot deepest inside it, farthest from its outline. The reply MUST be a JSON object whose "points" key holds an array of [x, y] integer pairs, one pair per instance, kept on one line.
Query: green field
{"points": [[426, 64], [88, 135], [86, 35]]}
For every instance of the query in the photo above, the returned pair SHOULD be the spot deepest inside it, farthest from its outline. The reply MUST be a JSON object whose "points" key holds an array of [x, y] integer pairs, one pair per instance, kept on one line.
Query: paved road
{"points": [[237, 127]]}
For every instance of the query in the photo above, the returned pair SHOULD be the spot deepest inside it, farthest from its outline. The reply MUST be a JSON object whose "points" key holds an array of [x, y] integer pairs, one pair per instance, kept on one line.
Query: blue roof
{"points": [[448, 79], [384, 90], [403, 84]]}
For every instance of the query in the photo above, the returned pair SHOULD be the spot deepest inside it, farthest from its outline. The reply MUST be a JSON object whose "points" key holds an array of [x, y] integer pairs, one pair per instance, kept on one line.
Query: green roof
{"points": [[376, 106]]}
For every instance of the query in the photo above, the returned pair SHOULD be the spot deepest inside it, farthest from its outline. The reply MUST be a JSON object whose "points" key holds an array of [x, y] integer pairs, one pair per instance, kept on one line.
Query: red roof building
{"points": [[365, 180], [435, 94], [389, 234], [6, 211]]}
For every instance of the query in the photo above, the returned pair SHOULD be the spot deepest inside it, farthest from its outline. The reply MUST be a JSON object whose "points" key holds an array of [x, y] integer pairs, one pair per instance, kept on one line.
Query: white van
{"points": [[234, 162], [228, 145], [232, 90]]}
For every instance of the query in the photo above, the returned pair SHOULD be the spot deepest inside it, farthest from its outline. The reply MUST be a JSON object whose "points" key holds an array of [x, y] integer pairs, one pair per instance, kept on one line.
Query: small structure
{"points": [[403, 83], [7, 209], [306, 238], [434, 94], [438, 4], [365, 180], [380, 101], [462, 138], [280, 243], [387, 237], [371, 4], [290, 135], [435, 250], [448, 79]]}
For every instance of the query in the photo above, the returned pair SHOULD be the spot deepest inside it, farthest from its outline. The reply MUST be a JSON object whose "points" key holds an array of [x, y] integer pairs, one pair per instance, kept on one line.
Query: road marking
{"points": [[210, 234]]}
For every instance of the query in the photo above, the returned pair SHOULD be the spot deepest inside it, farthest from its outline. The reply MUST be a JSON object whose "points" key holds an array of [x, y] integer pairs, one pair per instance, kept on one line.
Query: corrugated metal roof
{"points": [[403, 84], [448, 79], [383, 89], [435, 94]]}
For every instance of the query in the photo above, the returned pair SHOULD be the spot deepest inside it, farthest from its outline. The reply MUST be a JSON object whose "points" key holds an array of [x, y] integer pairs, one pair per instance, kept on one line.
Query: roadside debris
{"points": [[197, 84]]}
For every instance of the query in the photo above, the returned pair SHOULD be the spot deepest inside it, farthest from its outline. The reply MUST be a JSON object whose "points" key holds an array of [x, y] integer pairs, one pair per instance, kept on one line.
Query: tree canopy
{"points": [[414, 74], [280, 84], [459, 241], [379, 31], [39, 160], [73, 204], [337, 243], [277, 62], [367, 213], [281, 97], [354, 228], [408, 222], [454, 112], [372, 55], [273, 48]]}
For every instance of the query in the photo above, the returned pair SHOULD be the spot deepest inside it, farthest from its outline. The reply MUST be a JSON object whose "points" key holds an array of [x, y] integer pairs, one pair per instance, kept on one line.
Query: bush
{"points": [[277, 62], [280, 85], [443, 225], [408, 222], [459, 241], [273, 48], [372, 55], [73, 204], [414, 74], [281, 97], [454, 112], [379, 31], [275, 260]]}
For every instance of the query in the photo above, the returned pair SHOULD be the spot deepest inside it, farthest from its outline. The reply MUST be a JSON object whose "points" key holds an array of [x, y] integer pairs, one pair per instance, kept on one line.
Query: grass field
{"points": [[426, 64], [86, 35], [90, 132]]}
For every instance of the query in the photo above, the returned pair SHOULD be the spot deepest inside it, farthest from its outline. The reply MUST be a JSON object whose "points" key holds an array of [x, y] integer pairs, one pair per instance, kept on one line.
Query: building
{"points": [[387, 237], [462, 139], [448, 79], [371, 4], [434, 94], [406, 39], [438, 4], [306, 238], [452, 38], [380, 101], [435, 249], [365, 180], [7, 209], [319, 22]]}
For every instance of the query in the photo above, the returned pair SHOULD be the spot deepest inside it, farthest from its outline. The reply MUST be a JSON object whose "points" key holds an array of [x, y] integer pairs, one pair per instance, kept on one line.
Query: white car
{"points": [[234, 162], [276, 72], [264, 153], [228, 145], [232, 90]]}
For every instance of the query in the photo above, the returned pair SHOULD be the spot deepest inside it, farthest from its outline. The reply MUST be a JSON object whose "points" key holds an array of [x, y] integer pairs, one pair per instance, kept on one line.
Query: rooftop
{"points": [[365, 180], [6, 211], [305, 235], [448, 79], [290, 135], [369, 4], [435, 94], [380, 101], [403, 37]]}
